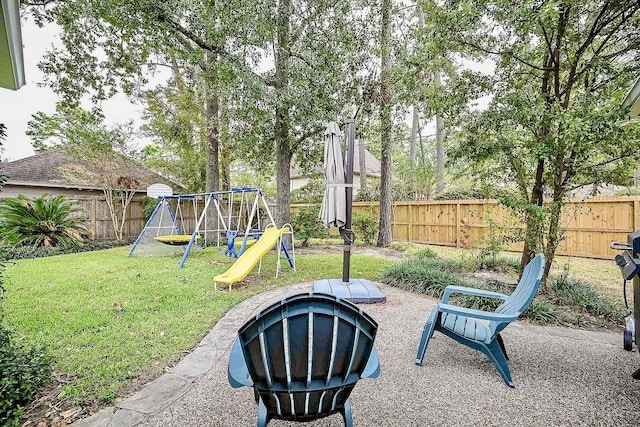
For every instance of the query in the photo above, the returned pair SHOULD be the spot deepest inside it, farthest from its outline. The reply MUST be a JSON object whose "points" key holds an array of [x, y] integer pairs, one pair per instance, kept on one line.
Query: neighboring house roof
{"points": [[371, 163], [48, 169]]}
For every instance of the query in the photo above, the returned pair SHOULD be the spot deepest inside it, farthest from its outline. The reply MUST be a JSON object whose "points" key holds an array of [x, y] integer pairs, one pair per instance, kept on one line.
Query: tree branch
{"points": [[193, 37], [308, 134], [504, 52], [38, 3]]}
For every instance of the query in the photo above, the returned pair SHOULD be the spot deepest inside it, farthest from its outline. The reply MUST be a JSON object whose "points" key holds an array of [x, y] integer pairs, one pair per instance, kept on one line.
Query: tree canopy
{"points": [[554, 123]]}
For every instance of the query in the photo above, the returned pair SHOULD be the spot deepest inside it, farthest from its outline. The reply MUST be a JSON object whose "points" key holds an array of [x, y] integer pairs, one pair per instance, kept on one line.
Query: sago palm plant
{"points": [[44, 221]]}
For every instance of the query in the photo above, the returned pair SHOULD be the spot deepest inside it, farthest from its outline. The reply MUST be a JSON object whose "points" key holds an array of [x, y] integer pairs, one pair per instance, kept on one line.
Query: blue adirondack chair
{"points": [[464, 325], [303, 356]]}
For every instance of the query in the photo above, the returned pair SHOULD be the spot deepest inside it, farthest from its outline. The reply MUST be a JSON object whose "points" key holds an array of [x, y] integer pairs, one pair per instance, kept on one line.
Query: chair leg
{"points": [[497, 357], [501, 343], [347, 414], [262, 414], [427, 333]]}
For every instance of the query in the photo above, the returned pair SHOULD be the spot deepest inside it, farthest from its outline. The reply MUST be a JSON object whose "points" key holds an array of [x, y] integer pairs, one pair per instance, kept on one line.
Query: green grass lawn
{"points": [[112, 321], [109, 320]]}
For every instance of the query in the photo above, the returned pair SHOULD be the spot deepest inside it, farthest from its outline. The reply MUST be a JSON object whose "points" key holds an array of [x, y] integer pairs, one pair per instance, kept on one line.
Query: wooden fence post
{"points": [[93, 215], [410, 208], [457, 224]]}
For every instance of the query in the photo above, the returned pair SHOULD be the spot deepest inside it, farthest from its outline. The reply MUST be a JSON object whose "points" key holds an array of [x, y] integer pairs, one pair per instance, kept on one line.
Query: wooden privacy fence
{"points": [[100, 226], [589, 226], [99, 222]]}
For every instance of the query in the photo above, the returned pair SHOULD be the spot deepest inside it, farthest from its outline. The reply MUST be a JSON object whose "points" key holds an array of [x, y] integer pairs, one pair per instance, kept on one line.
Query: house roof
{"points": [[48, 169], [371, 163]]}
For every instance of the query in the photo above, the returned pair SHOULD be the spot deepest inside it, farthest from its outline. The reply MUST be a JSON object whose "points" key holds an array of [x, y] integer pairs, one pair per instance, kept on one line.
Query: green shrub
{"points": [[426, 275], [542, 311], [313, 192], [148, 206], [23, 369], [581, 295], [497, 237], [628, 191], [368, 194], [48, 221], [500, 263], [460, 193], [25, 252], [425, 253], [307, 225], [366, 226]]}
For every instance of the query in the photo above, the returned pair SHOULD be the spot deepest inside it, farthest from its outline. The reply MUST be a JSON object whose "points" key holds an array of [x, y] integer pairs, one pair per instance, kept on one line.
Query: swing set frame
{"points": [[221, 204]]}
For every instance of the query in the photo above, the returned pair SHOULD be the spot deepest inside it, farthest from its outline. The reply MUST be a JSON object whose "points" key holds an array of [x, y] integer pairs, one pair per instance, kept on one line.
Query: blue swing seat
{"points": [[465, 325], [303, 356]]}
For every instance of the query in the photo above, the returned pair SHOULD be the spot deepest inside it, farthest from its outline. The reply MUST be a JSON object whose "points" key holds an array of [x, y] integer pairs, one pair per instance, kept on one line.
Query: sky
{"points": [[17, 107]]}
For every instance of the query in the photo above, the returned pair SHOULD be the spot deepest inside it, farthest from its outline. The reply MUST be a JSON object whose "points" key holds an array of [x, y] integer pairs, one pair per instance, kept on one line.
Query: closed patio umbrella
{"points": [[336, 211], [333, 211]]}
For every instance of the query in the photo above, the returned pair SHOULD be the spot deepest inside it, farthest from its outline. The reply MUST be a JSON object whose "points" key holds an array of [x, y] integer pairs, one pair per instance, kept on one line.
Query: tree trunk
{"points": [[440, 154], [212, 107], [225, 157], [283, 151], [533, 232], [362, 164], [384, 226], [415, 124]]}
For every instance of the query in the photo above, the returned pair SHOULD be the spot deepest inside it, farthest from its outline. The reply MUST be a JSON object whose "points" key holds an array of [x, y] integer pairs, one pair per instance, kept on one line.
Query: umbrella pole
{"points": [[346, 232]]}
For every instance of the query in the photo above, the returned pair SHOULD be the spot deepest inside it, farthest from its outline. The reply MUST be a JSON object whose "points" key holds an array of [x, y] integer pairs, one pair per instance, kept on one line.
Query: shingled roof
{"points": [[371, 163], [47, 168]]}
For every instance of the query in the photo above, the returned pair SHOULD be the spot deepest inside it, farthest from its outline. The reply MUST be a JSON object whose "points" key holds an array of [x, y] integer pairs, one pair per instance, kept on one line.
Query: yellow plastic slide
{"points": [[245, 263]]}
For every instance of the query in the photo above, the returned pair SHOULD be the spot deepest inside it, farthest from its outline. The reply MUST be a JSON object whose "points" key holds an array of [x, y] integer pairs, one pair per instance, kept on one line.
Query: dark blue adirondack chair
{"points": [[303, 356], [464, 325]]}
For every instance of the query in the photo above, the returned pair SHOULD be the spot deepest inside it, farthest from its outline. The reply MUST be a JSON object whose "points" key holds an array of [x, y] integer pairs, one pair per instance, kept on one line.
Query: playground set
{"points": [[181, 222]]}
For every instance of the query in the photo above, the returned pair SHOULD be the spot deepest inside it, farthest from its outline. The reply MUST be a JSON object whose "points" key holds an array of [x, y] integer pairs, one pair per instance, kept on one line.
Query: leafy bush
{"points": [[48, 221], [148, 206], [23, 369], [368, 194], [313, 192], [24, 252], [476, 303], [628, 191], [582, 296], [498, 263], [542, 311], [460, 193], [498, 236], [423, 274], [426, 253], [366, 226], [567, 301], [307, 225]]}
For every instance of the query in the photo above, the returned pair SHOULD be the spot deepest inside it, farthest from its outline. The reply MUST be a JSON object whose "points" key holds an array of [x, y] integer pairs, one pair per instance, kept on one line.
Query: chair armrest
{"points": [[372, 369], [238, 373], [471, 291], [478, 314]]}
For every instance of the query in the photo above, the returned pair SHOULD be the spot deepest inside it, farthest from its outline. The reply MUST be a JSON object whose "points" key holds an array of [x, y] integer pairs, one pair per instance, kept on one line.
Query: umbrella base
{"points": [[357, 290]]}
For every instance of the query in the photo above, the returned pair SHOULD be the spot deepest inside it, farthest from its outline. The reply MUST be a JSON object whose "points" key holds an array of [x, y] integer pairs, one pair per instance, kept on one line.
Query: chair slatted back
{"points": [[305, 354], [524, 293]]}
